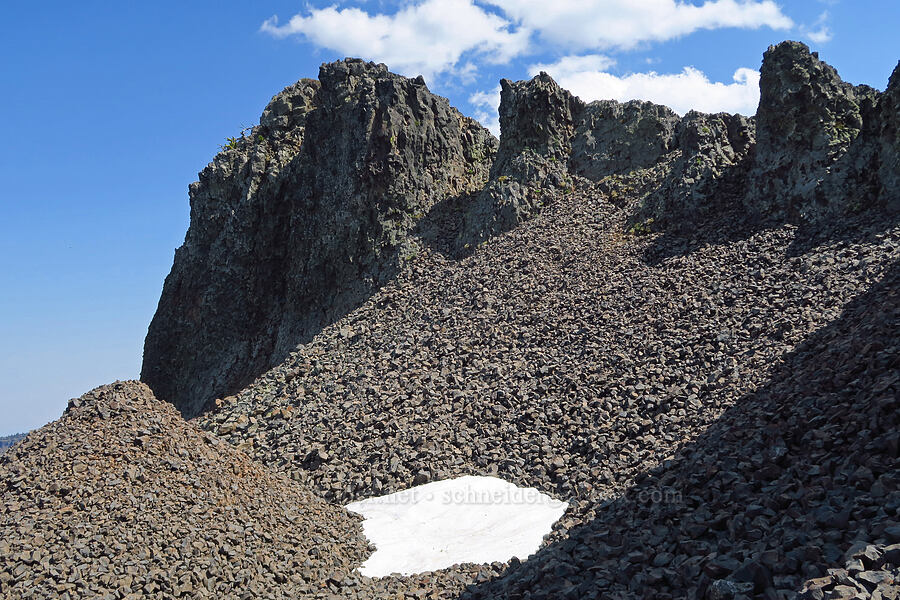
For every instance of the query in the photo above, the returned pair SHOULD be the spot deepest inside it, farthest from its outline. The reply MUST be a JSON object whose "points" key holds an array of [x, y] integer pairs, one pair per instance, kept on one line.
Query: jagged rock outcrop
{"points": [[301, 221], [618, 137], [298, 222], [813, 156], [549, 138], [889, 143], [537, 120], [818, 148], [708, 169]]}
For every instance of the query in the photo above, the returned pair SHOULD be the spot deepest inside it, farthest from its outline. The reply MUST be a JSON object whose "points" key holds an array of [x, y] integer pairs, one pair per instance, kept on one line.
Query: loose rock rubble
{"points": [[794, 487], [573, 358], [121, 498]]}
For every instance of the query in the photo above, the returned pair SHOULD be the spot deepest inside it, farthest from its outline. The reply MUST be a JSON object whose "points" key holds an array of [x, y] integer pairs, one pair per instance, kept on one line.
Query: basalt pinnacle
{"points": [[301, 220]]}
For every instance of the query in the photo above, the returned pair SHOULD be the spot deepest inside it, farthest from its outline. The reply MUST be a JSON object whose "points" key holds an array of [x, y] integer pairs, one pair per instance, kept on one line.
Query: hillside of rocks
{"points": [[709, 378], [121, 498], [684, 326], [288, 236]]}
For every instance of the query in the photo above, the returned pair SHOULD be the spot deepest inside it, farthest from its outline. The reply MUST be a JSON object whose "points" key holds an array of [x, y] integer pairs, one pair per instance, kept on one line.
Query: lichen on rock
{"points": [[808, 157]]}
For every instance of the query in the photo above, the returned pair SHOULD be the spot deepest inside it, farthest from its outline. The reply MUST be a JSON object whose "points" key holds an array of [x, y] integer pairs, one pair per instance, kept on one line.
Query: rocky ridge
{"points": [[7, 441], [608, 368], [714, 392], [818, 148], [435, 179]]}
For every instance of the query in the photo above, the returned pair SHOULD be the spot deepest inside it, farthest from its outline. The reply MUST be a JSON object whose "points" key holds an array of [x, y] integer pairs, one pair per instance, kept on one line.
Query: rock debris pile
{"points": [[121, 498]]}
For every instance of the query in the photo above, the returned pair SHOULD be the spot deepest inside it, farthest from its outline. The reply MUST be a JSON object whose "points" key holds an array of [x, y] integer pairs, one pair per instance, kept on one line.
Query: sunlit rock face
{"points": [[297, 222]]}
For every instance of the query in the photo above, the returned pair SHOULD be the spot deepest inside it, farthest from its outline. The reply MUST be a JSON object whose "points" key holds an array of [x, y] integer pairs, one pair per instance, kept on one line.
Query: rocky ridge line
{"points": [[288, 237], [7, 441], [818, 148]]}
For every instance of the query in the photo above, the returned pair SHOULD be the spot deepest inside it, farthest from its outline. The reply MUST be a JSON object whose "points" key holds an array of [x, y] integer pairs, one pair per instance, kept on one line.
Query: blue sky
{"points": [[111, 109]]}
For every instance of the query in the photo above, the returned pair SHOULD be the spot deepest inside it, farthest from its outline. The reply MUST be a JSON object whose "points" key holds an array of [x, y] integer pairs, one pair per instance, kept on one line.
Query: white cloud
{"points": [[684, 91], [431, 37], [598, 24], [576, 64], [426, 38], [486, 109], [820, 32]]}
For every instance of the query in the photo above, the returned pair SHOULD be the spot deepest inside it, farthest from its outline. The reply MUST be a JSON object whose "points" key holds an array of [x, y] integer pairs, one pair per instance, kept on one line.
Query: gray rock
{"points": [[300, 221], [549, 139], [708, 173], [809, 162], [889, 147], [537, 120], [724, 589], [616, 138]]}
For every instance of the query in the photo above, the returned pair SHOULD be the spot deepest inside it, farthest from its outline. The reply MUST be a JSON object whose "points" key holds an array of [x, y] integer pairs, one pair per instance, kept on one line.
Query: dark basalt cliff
{"points": [[816, 138], [299, 221], [302, 220]]}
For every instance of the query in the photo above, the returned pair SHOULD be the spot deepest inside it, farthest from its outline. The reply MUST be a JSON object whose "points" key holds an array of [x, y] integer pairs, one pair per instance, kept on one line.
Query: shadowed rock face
{"points": [[301, 220], [889, 143], [709, 168]]}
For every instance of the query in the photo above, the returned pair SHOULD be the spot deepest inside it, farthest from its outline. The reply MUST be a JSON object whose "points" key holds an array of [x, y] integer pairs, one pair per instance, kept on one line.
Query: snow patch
{"points": [[471, 519]]}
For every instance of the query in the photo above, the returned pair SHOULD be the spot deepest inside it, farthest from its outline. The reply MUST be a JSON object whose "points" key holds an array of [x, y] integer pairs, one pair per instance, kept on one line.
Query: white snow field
{"points": [[470, 519]]}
